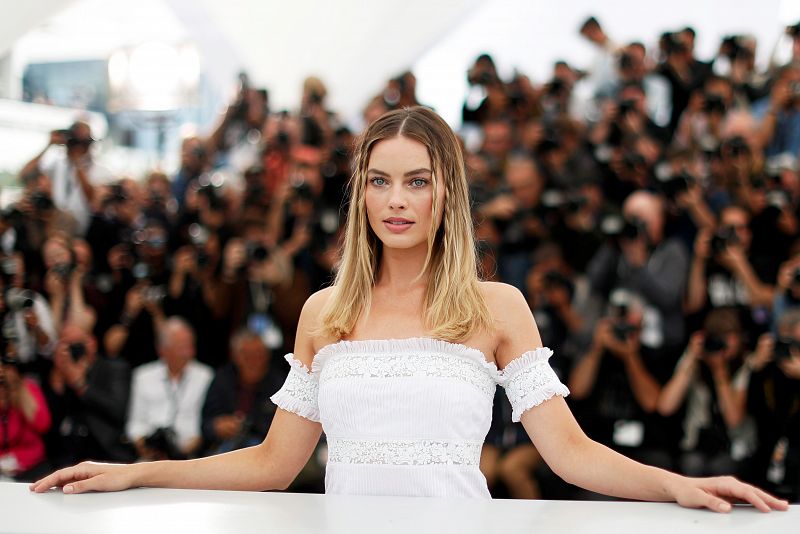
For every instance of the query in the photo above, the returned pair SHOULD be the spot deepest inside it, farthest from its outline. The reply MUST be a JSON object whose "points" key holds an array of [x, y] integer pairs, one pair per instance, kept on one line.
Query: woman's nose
{"points": [[397, 199]]}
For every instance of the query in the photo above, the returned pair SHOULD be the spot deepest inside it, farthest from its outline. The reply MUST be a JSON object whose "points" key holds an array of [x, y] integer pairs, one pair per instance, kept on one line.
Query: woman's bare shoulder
{"points": [[309, 336], [515, 327], [499, 296]]}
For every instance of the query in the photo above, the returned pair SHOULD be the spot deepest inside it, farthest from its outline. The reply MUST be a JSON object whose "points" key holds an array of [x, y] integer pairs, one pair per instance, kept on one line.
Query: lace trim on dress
{"points": [[408, 364], [529, 381], [300, 391], [413, 345], [403, 452]]}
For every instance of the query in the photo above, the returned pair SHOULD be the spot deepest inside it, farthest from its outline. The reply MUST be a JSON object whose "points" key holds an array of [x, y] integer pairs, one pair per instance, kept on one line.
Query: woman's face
{"points": [[399, 193]]}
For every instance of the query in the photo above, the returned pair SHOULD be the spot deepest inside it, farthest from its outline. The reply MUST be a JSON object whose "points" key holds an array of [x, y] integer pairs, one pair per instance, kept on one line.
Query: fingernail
{"points": [[724, 507], [68, 489]]}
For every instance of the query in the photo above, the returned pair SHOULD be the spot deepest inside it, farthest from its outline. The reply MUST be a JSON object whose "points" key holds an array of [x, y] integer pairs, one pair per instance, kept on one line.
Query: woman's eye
{"points": [[419, 182], [377, 181]]}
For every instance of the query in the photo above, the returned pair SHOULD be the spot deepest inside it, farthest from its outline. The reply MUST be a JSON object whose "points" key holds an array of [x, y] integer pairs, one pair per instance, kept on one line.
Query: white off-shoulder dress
{"points": [[408, 417]]}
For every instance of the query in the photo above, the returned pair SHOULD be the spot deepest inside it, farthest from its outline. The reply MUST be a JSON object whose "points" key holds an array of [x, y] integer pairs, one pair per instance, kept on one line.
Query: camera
{"points": [[214, 197], [672, 186], [783, 348], [619, 304], [41, 201], [117, 195], [302, 191], [154, 294], [165, 441], [256, 252], [77, 351], [725, 237], [63, 270], [713, 344], [19, 299], [736, 146], [68, 135], [626, 106], [713, 103], [633, 160]]}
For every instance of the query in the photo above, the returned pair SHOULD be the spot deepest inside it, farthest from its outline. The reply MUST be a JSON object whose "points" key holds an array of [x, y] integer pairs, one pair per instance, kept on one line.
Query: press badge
{"points": [[263, 325], [628, 433]]}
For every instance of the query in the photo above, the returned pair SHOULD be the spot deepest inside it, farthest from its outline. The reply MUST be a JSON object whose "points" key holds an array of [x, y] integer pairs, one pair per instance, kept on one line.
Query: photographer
{"points": [[715, 433], [779, 130], [251, 270], [487, 98], [167, 396], [514, 214], [633, 69], [88, 396], [74, 174], [615, 386], [27, 320], [641, 258], [194, 161], [787, 290], [63, 284], [236, 142], [24, 419], [775, 402], [722, 273], [237, 412]]}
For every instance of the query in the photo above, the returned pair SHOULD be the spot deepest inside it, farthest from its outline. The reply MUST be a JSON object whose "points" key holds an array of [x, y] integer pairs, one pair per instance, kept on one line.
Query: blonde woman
{"points": [[398, 361]]}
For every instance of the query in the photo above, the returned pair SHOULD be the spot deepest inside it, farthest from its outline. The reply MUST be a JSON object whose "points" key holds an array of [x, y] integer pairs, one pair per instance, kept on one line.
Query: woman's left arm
{"points": [[590, 465], [586, 463]]}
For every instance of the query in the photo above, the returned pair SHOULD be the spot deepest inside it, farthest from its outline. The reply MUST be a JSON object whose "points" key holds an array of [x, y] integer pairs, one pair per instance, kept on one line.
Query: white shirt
{"points": [[408, 417], [157, 401], [67, 192]]}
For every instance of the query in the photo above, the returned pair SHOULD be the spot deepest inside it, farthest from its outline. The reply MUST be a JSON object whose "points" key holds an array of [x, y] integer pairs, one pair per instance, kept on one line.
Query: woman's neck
{"points": [[399, 269]]}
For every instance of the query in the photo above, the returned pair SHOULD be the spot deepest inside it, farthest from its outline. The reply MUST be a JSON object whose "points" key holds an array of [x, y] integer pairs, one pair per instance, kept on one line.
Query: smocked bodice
{"points": [[409, 416]]}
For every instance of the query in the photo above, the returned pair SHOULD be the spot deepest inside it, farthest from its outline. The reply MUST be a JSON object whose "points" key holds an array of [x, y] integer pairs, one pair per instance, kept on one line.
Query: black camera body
{"points": [[713, 344], [64, 270], [164, 441], [725, 237], [783, 348], [256, 252], [41, 201], [77, 351]]}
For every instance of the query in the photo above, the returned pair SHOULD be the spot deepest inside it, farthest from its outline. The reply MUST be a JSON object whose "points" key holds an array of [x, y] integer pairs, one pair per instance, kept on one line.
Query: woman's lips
{"points": [[397, 225]]}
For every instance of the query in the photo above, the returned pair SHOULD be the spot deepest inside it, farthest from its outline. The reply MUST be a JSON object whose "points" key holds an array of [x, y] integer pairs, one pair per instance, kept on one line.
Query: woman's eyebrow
{"points": [[421, 170]]}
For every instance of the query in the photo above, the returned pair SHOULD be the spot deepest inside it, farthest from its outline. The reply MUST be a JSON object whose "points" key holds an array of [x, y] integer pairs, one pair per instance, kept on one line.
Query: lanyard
{"points": [[174, 394]]}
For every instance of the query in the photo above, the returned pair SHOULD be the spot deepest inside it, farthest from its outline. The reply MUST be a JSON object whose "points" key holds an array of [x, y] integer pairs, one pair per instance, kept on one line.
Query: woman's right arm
{"points": [[273, 464]]}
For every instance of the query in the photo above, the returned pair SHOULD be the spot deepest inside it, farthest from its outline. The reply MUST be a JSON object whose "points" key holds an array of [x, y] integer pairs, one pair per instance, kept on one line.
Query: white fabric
{"points": [[67, 192], [157, 401], [409, 416]]}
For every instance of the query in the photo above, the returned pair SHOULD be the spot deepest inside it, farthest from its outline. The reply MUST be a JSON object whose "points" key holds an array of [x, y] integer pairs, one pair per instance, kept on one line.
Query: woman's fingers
{"points": [[63, 477], [730, 487]]}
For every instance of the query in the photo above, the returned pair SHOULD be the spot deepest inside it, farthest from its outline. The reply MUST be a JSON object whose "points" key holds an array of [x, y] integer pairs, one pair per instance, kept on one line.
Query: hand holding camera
{"points": [[70, 362], [234, 258]]}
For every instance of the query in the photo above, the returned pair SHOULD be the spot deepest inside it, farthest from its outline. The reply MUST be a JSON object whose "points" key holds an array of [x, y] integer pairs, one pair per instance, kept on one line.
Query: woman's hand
{"points": [[88, 476], [718, 493]]}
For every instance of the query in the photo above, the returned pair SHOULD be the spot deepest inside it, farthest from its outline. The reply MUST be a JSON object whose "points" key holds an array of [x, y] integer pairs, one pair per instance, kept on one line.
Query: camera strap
{"points": [[174, 394]]}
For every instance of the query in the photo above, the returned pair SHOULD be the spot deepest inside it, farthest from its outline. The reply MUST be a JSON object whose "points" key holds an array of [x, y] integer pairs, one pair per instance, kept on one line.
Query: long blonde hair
{"points": [[454, 304]]}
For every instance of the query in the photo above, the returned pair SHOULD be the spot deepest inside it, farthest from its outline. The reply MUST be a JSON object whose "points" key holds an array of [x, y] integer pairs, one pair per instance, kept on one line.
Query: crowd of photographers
{"points": [[647, 208]]}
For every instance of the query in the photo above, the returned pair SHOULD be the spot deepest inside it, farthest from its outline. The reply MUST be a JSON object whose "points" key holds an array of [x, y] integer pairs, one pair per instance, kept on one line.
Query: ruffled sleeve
{"points": [[299, 393], [529, 381]]}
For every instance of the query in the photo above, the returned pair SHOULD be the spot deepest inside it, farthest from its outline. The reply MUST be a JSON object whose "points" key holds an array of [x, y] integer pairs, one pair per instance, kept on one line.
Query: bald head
{"points": [[648, 208]]}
